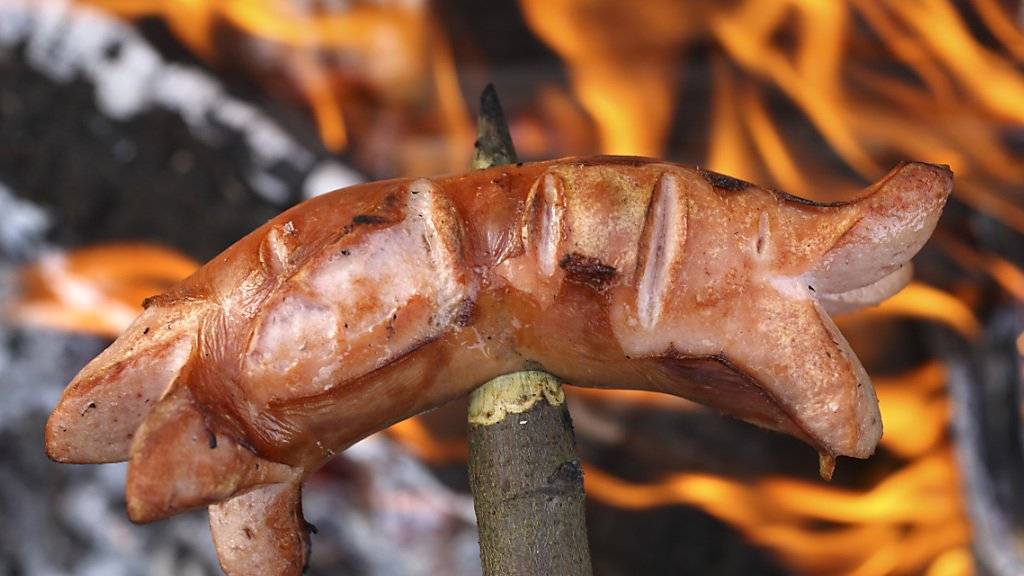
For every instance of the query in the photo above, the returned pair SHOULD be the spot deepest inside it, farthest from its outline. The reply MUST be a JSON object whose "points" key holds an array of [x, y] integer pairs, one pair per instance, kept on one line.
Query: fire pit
{"points": [[138, 138]]}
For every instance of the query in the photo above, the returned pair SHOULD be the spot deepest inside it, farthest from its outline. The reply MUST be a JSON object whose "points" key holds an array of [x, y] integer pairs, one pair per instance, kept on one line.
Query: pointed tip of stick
{"points": [[490, 105], [494, 143]]}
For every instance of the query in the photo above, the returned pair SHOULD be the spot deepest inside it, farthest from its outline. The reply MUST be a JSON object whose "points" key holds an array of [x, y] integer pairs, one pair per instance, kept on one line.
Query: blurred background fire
{"points": [[139, 137]]}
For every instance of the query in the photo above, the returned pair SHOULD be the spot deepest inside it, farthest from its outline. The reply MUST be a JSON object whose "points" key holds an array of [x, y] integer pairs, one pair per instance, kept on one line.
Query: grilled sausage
{"points": [[371, 304]]}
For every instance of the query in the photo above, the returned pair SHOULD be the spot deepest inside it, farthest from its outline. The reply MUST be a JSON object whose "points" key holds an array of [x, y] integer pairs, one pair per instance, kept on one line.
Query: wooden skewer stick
{"points": [[525, 475]]}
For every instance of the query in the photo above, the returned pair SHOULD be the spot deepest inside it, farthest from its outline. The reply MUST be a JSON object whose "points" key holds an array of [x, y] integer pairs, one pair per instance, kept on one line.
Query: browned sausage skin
{"points": [[368, 305]]}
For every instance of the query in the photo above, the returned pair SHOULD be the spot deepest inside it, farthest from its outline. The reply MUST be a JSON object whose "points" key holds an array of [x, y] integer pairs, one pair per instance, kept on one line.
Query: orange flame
{"points": [[97, 290], [907, 522], [622, 61], [910, 522], [924, 302], [417, 437], [952, 103], [347, 62]]}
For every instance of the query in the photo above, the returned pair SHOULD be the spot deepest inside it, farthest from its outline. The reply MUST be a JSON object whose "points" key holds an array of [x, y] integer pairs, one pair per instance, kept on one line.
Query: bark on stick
{"points": [[523, 469], [526, 478]]}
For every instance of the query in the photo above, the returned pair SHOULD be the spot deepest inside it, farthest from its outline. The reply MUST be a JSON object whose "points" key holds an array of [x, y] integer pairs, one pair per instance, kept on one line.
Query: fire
{"points": [[814, 97], [924, 302], [907, 522], [910, 522], [624, 70], [356, 65], [418, 438], [622, 62], [97, 290]]}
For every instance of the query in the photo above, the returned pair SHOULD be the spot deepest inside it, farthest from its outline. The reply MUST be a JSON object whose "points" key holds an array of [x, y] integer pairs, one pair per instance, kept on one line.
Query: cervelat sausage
{"points": [[368, 305]]}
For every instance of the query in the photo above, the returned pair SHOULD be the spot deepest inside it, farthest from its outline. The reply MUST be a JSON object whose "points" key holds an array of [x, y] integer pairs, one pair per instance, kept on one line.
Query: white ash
{"points": [[327, 176], [59, 519], [24, 225], [66, 41], [403, 521]]}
